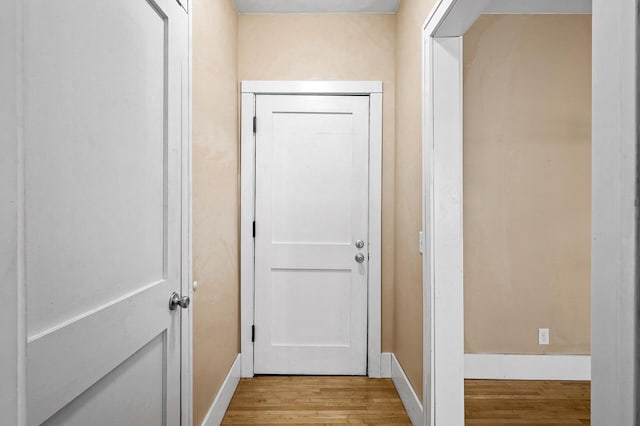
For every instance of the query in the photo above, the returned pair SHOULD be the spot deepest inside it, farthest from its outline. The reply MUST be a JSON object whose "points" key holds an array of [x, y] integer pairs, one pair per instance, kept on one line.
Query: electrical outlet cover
{"points": [[543, 336]]}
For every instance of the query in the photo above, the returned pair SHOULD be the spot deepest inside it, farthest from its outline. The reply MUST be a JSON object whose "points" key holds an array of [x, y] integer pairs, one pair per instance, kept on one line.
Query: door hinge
{"points": [[253, 333], [254, 229], [255, 124]]}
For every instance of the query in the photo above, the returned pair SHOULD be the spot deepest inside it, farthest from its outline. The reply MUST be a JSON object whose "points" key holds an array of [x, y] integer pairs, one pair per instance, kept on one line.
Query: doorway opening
{"points": [[527, 215], [443, 267]]}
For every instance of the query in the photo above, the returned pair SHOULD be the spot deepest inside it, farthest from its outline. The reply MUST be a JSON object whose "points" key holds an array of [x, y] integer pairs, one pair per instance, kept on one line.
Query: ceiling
{"points": [[317, 6]]}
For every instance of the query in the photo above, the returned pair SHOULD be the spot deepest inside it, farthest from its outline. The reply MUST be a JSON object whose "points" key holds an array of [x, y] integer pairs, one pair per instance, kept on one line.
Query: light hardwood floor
{"points": [[315, 400], [519, 402], [359, 400]]}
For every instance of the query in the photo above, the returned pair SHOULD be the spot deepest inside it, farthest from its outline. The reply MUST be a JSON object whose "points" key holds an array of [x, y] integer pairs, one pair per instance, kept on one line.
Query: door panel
{"points": [[95, 155], [311, 207], [141, 372], [88, 349], [103, 200], [324, 183], [320, 312]]}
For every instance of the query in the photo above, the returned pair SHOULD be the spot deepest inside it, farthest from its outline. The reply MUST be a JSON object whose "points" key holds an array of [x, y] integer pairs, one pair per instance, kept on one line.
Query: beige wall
{"points": [[408, 196], [536, 186], [527, 184], [333, 47], [215, 198]]}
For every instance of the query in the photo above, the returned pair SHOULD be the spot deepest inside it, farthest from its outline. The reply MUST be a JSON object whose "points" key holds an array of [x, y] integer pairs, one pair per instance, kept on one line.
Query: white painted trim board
{"points": [[223, 398], [407, 395], [527, 367], [186, 374], [374, 297], [314, 6], [615, 326], [247, 215], [385, 365], [12, 217], [282, 87]]}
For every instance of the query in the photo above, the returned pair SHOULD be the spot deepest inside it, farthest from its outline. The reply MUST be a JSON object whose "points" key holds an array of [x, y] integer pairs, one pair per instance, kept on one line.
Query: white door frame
{"points": [[250, 89], [443, 304], [615, 295], [12, 282], [12, 225], [186, 351]]}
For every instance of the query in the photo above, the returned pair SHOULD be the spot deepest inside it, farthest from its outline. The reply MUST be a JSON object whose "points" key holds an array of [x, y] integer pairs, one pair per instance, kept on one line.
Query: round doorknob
{"points": [[176, 301], [359, 257], [359, 244]]}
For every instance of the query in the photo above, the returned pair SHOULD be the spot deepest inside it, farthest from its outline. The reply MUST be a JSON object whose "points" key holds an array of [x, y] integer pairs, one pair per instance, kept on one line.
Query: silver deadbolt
{"points": [[359, 244], [359, 257], [176, 301]]}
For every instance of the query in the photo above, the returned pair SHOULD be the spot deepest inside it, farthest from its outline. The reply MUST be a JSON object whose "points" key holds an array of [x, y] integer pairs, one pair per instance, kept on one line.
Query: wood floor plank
{"points": [[286, 400], [525, 402], [316, 400]]}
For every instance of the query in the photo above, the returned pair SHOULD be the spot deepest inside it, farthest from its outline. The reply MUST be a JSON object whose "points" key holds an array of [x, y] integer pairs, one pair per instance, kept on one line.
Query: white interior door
{"points": [[312, 156], [103, 106]]}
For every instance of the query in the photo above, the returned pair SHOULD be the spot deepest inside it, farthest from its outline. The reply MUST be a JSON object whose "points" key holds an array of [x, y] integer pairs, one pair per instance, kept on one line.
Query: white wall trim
{"points": [[247, 205], [186, 373], [615, 295], [312, 87], [554, 7], [443, 260], [223, 398], [314, 6], [385, 365], [374, 299], [452, 18], [247, 215], [12, 218], [527, 367], [443, 327], [408, 397]]}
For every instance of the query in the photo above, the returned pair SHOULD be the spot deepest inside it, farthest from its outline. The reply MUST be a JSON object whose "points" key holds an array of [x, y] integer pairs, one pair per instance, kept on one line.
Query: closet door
{"points": [[103, 114]]}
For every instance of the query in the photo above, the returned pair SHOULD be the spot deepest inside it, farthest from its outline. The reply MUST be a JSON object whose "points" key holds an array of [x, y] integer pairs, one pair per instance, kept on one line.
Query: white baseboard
{"points": [[409, 398], [527, 367], [221, 403], [385, 365]]}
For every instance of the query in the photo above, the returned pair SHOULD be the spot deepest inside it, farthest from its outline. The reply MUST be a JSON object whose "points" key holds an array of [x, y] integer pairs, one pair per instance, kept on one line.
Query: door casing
{"points": [[249, 90]]}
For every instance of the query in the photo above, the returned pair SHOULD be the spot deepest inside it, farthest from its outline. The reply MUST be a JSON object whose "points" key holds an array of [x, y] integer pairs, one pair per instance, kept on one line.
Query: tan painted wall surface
{"points": [[367, 47], [332, 47], [527, 180], [215, 198], [408, 201]]}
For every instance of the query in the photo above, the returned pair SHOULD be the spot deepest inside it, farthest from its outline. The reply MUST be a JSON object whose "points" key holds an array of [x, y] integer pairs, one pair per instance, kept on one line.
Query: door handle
{"points": [[176, 301], [359, 257], [359, 244]]}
